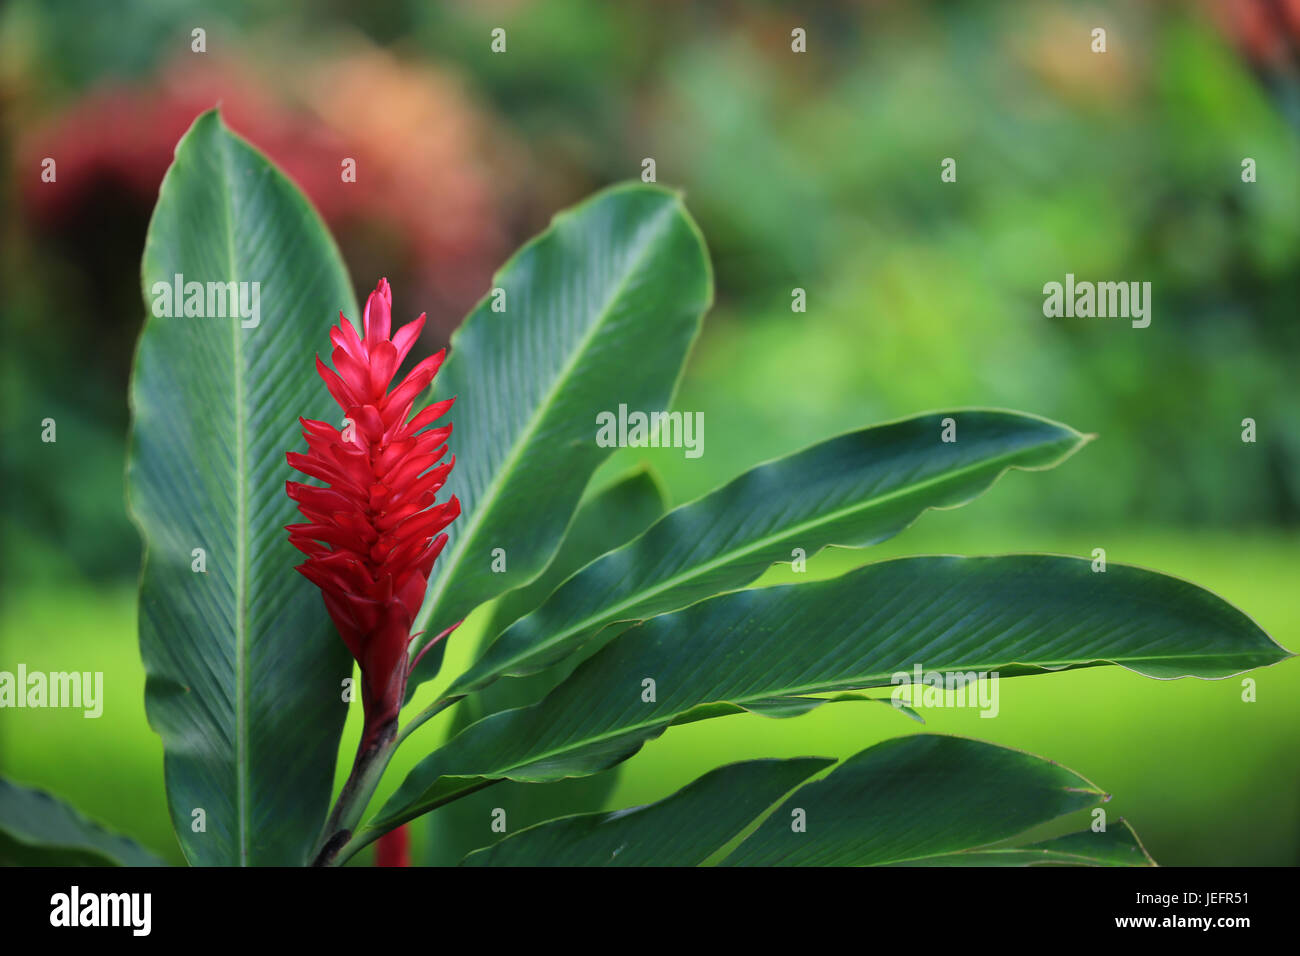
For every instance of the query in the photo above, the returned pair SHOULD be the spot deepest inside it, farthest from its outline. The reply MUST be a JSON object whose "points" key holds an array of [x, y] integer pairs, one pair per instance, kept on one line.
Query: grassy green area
{"points": [[1205, 778], [109, 767]]}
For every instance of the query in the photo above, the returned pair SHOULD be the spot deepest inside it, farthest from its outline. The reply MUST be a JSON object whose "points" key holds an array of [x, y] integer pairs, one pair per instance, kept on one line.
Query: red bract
{"points": [[372, 535]]}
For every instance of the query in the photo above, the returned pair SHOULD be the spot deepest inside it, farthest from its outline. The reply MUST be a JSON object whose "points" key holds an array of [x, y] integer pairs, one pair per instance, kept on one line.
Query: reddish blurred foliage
{"points": [[1267, 31], [422, 204]]}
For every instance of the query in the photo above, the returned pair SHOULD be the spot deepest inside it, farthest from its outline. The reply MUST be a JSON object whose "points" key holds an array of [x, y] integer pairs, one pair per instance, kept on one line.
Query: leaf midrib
{"points": [[452, 564], [990, 848], [609, 615], [1036, 853], [241, 532]]}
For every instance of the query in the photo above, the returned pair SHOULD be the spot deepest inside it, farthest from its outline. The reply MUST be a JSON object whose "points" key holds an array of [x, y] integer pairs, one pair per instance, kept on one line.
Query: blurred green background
{"points": [[817, 170]]}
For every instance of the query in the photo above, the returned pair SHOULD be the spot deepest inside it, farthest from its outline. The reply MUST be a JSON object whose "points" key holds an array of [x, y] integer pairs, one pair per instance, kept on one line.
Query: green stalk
{"points": [[373, 754]]}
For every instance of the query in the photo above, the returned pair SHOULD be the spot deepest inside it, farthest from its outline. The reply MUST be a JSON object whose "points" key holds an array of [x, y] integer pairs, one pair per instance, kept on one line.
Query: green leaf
{"points": [[604, 520], [1117, 845], [684, 829], [244, 668], [600, 310], [913, 798], [37, 829], [783, 707], [612, 516], [925, 800], [1017, 614], [853, 491]]}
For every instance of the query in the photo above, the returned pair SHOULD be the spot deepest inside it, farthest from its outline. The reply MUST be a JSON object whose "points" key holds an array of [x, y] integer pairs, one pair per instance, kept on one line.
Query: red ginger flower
{"points": [[372, 535]]}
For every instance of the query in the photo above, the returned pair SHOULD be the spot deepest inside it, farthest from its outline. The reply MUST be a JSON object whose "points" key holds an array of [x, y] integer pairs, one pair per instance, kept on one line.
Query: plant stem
{"points": [[372, 759], [373, 755], [356, 842], [369, 834]]}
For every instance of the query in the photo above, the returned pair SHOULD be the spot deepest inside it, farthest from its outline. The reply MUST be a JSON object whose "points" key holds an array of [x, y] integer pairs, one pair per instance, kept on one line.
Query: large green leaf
{"points": [[600, 310], [853, 491], [684, 829], [244, 668], [1016, 614], [914, 798], [37, 829], [604, 520]]}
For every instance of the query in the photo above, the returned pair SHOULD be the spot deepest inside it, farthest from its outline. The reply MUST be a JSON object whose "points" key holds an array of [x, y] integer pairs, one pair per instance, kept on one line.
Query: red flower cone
{"points": [[372, 534]]}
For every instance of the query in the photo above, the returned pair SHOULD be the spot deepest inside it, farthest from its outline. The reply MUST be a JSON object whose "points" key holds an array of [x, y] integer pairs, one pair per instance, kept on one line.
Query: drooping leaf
{"points": [[1013, 615], [37, 829], [854, 490], [600, 310], [684, 829], [911, 799], [604, 520], [244, 667], [1117, 845], [925, 800]]}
